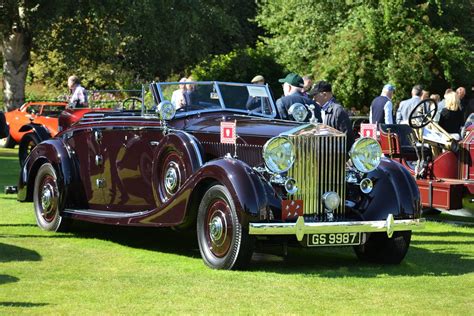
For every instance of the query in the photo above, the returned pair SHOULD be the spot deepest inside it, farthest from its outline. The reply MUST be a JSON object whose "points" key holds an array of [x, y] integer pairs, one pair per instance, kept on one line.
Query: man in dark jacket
{"points": [[381, 107], [333, 113], [293, 93]]}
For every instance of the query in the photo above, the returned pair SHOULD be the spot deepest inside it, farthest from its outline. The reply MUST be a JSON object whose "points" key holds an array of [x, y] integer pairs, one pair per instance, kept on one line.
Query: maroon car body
{"points": [[282, 181]]}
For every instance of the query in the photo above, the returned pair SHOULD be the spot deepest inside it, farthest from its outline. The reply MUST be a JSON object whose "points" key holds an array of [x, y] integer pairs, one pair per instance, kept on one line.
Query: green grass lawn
{"points": [[116, 270]]}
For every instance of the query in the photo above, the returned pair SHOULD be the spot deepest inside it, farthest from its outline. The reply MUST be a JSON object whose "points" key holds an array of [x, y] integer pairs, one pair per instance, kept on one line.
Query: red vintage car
{"points": [[236, 174], [36, 121], [22, 121], [441, 162]]}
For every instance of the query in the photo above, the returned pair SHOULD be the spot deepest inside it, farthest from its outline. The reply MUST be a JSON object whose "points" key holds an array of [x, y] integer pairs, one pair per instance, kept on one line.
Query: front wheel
{"points": [[47, 200], [381, 249], [27, 143], [223, 242]]}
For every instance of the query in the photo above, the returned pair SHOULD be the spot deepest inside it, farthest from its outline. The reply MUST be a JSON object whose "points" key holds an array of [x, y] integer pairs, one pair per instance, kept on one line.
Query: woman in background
{"points": [[451, 117]]}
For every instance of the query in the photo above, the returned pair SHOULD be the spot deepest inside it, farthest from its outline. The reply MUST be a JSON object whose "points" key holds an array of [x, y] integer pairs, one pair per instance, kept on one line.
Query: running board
{"points": [[106, 214]]}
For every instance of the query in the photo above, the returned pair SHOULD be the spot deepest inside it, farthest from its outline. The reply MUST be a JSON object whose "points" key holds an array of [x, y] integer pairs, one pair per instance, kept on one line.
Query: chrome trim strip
{"points": [[301, 228], [106, 214]]}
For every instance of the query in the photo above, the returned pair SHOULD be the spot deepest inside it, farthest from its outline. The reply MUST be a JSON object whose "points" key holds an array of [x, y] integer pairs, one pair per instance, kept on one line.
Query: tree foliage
{"points": [[360, 45], [241, 65], [114, 42]]}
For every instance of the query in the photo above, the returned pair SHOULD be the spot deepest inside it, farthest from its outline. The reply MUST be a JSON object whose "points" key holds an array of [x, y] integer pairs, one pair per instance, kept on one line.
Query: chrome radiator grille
{"points": [[319, 167]]}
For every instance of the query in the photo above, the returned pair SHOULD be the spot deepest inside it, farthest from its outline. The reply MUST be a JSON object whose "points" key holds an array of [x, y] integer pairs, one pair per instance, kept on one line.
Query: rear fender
{"points": [[55, 152], [395, 192], [41, 132]]}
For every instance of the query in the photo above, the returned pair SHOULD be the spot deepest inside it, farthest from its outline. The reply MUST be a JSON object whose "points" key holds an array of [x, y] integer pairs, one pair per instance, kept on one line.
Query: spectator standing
{"points": [[332, 112], [381, 109], [461, 92], [258, 79], [307, 84], [451, 117], [425, 94], [258, 104], [293, 93], [406, 106], [441, 105], [177, 98], [79, 93], [190, 93]]}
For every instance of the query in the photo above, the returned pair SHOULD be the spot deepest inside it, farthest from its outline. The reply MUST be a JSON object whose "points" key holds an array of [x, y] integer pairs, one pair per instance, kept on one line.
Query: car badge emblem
{"points": [[291, 209], [228, 132]]}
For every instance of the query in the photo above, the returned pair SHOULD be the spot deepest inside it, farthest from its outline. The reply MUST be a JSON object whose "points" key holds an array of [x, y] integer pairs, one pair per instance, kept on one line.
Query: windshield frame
{"points": [[159, 96]]}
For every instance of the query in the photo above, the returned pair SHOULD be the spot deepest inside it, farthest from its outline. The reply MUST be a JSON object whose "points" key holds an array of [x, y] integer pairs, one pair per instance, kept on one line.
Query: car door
{"points": [[128, 154], [86, 147]]}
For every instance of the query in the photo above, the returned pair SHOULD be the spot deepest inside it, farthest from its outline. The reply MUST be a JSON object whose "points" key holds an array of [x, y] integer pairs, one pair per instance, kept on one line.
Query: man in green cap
{"points": [[293, 93]]}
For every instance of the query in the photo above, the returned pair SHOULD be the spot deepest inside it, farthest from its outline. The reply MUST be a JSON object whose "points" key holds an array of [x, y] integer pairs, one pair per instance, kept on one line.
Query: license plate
{"points": [[334, 239]]}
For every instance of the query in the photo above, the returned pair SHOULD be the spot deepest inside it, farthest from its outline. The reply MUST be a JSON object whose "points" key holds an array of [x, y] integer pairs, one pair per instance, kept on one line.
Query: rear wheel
{"points": [[223, 242], [47, 200], [381, 249], [28, 142]]}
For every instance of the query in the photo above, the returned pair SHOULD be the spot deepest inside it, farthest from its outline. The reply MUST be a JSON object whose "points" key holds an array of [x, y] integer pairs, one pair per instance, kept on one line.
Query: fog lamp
{"points": [[366, 185], [331, 200], [290, 186]]}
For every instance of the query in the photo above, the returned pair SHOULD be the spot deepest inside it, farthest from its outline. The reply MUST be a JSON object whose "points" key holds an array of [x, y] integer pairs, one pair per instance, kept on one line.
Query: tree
{"points": [[371, 43], [115, 45], [115, 41]]}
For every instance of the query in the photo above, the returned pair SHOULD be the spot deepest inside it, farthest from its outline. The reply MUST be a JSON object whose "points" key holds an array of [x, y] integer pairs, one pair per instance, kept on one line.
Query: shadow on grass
{"points": [[18, 225], [325, 262], [11, 197], [4, 278], [10, 253], [22, 304]]}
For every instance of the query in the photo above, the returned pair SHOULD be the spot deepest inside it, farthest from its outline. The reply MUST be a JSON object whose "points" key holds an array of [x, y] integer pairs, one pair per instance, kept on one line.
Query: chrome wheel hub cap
{"points": [[216, 228], [47, 197], [171, 178]]}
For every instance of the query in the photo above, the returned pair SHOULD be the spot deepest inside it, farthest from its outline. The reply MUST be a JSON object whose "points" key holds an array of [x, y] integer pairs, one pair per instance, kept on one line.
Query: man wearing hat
{"points": [[258, 79], [381, 107], [258, 104], [333, 113], [293, 93]]}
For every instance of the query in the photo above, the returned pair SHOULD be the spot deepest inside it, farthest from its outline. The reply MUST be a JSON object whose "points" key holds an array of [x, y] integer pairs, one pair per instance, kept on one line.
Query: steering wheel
{"points": [[423, 113], [130, 103]]}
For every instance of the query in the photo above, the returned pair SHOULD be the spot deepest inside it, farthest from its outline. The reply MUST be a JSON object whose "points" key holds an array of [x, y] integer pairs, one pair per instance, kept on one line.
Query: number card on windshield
{"points": [[228, 132], [368, 130]]}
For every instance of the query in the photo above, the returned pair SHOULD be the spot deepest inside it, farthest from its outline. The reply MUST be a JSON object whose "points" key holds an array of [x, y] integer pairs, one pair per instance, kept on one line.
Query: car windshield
{"points": [[52, 110], [211, 96]]}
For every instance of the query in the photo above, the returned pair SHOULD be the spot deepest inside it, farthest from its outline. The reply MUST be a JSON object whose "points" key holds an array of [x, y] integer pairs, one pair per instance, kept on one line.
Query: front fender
{"points": [[251, 193], [395, 191], [53, 151]]}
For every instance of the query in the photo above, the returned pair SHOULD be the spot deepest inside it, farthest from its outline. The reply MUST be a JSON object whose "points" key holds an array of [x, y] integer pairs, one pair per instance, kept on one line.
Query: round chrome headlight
{"points": [[278, 154], [166, 110], [298, 111], [365, 154]]}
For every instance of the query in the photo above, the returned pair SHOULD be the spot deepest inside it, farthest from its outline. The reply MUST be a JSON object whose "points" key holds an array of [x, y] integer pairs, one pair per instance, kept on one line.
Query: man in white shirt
{"points": [[79, 94]]}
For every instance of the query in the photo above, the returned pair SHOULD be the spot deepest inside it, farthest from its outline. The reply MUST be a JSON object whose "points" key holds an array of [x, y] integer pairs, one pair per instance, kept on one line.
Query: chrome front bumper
{"points": [[300, 228]]}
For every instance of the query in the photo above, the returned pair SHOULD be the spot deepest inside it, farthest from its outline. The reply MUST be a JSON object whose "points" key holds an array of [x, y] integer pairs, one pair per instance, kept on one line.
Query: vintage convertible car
{"points": [[237, 174], [442, 163]]}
